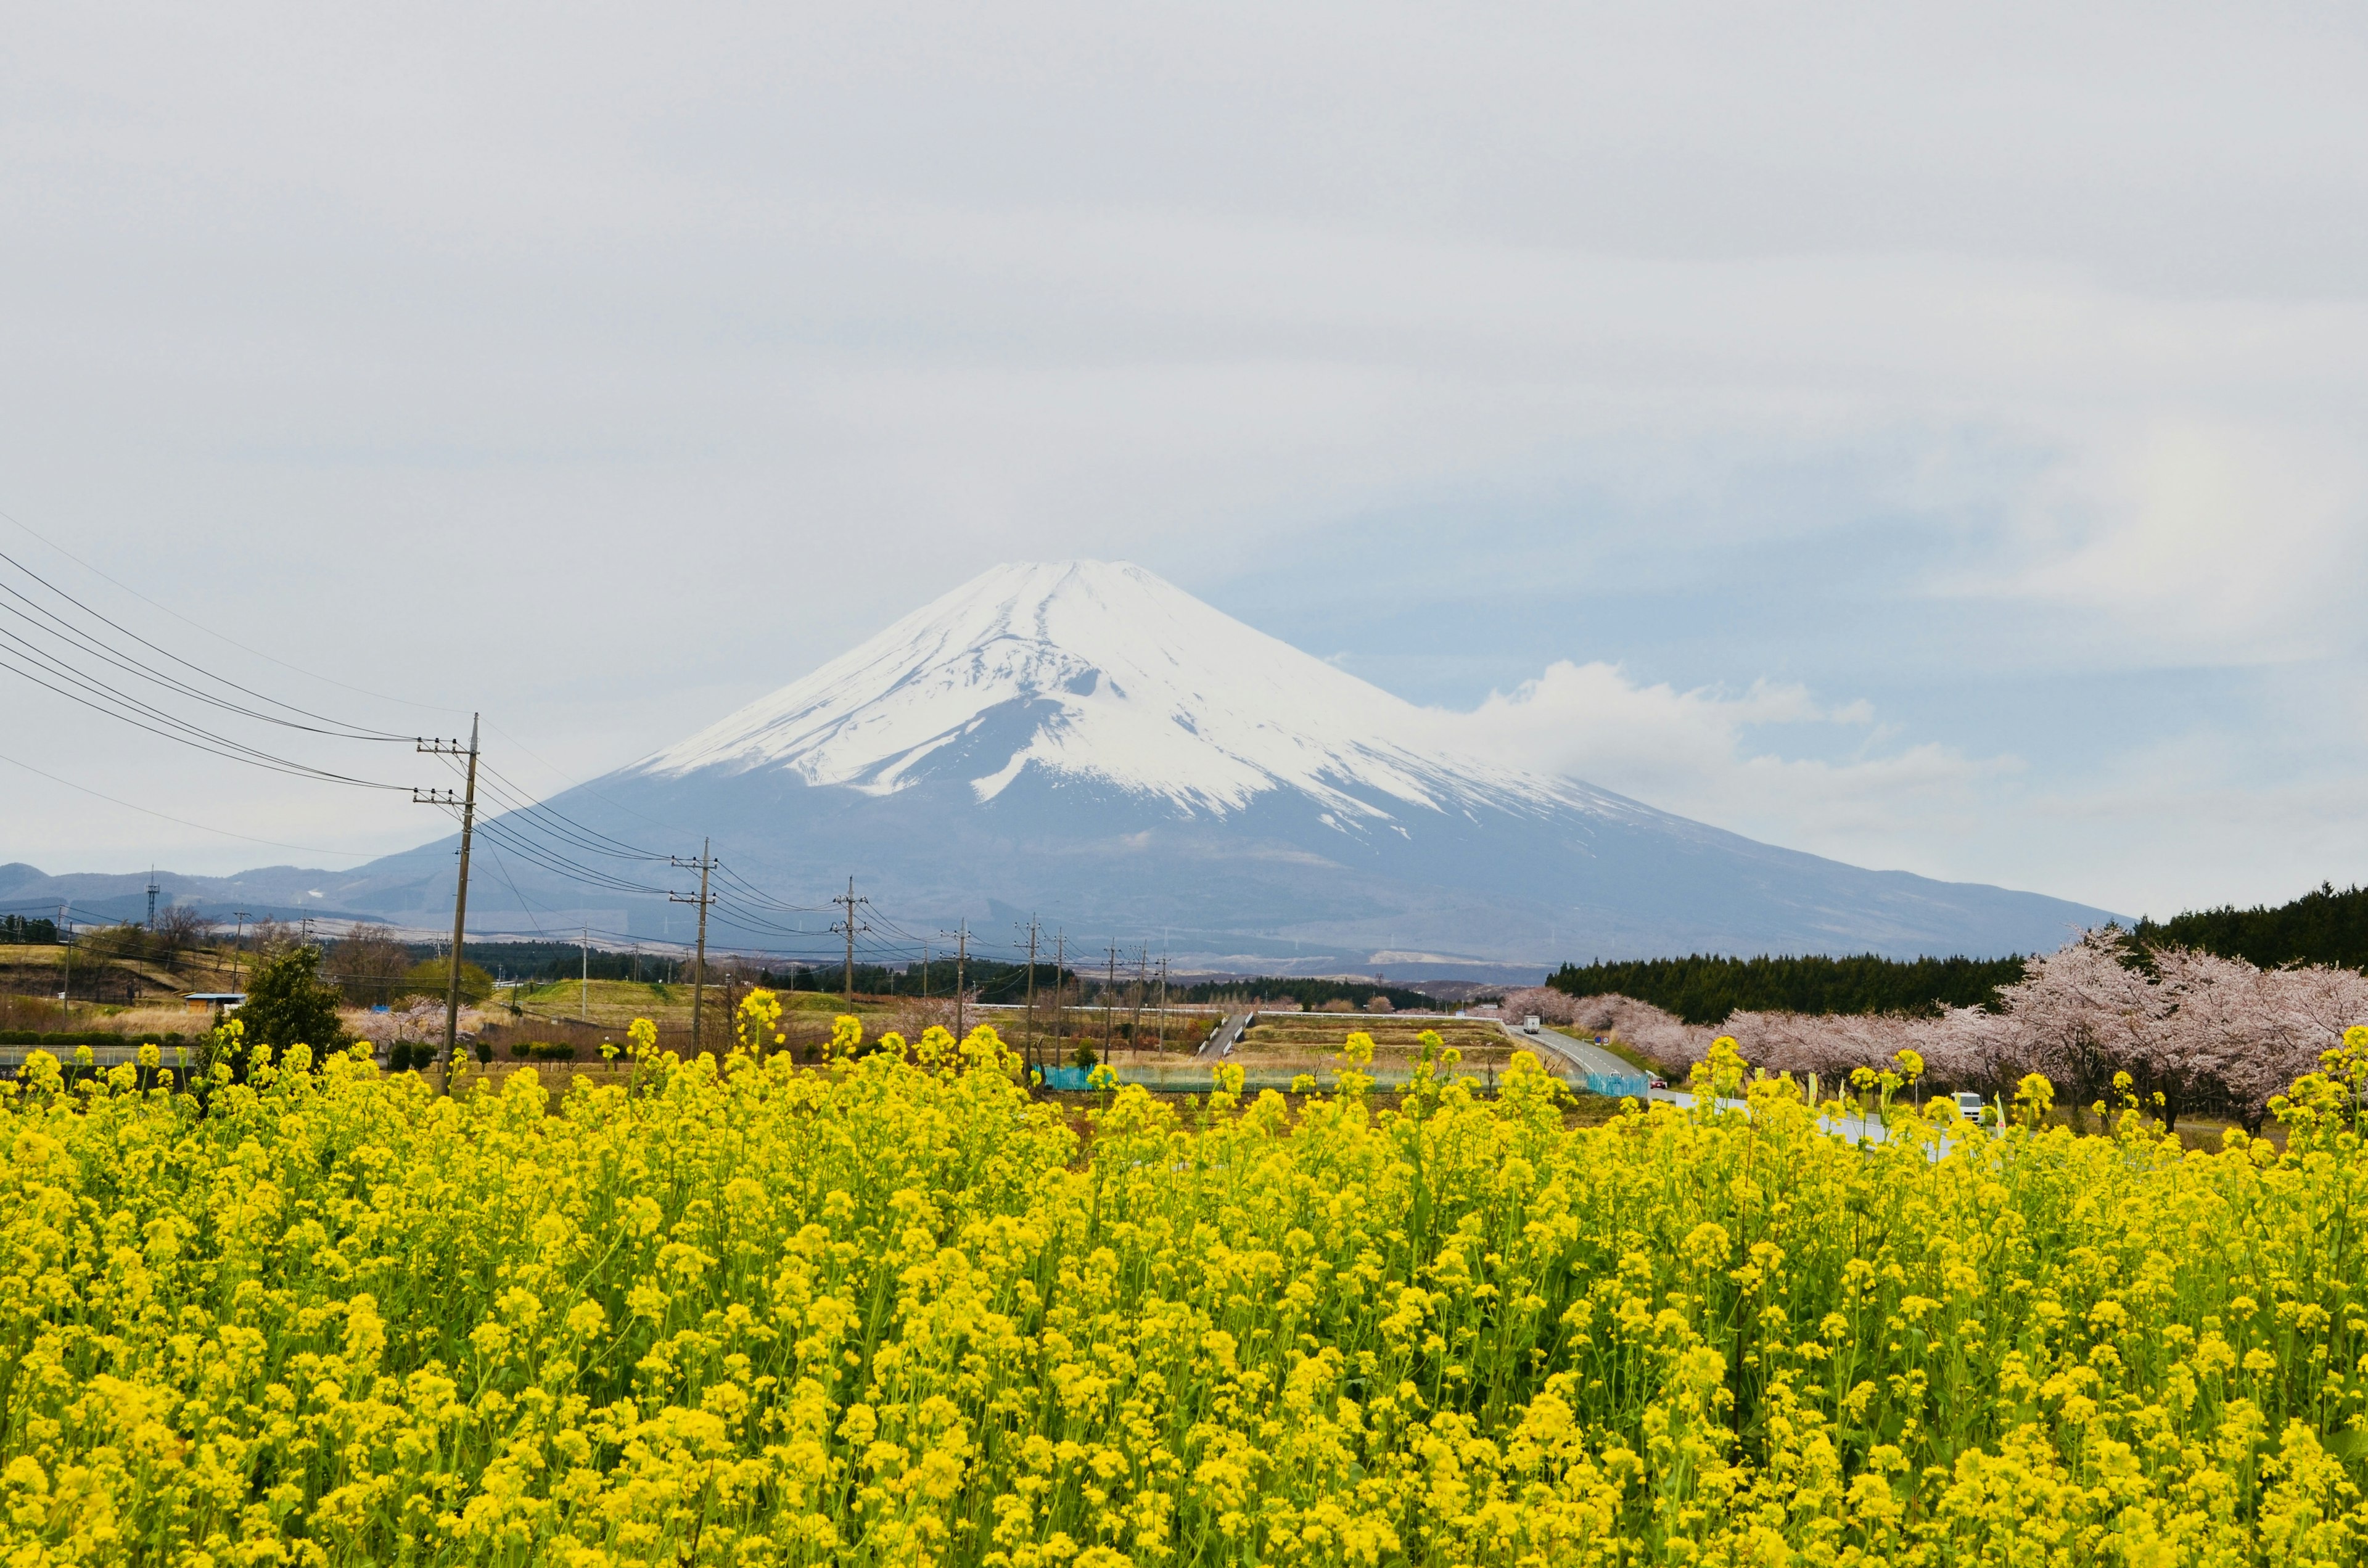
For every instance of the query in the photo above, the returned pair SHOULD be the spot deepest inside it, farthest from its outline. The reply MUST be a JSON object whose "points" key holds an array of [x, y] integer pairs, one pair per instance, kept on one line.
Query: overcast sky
{"points": [[1931, 439]]}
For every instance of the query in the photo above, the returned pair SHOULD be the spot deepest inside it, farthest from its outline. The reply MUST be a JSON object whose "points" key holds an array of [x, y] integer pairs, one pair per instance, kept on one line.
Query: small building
{"points": [[211, 1001]]}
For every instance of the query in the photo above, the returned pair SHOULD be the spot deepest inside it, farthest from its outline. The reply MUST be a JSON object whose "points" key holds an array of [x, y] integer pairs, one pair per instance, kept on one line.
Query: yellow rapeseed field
{"points": [[888, 1310]]}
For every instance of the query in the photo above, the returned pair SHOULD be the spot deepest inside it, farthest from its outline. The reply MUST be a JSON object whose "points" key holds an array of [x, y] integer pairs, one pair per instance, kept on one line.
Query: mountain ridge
{"points": [[1086, 743]]}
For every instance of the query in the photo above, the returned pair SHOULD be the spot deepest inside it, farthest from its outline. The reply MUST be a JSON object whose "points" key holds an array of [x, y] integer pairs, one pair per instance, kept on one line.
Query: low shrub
{"points": [[542, 1050]]}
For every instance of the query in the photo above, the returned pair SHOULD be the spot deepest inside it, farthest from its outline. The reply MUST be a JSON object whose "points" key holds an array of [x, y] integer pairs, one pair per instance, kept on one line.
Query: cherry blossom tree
{"points": [[2193, 1031]]}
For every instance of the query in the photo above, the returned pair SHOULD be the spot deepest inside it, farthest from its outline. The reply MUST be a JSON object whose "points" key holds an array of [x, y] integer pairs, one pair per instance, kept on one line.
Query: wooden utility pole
{"points": [[962, 997], [1162, 1015], [1030, 1045], [1060, 985], [850, 926], [468, 804], [1142, 984], [706, 863], [1110, 985]]}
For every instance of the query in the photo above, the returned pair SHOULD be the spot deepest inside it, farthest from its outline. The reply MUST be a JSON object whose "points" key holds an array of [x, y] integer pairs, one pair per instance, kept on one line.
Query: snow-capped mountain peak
{"points": [[1090, 746], [1100, 670]]}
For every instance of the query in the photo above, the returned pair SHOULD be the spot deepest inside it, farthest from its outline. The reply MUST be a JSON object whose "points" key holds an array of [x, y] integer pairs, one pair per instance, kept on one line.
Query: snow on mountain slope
{"points": [[1086, 745], [1128, 680]]}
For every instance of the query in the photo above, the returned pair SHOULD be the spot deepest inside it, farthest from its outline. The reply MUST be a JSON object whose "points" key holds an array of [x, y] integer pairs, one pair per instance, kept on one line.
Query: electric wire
{"points": [[594, 839], [578, 784], [217, 745], [184, 822], [556, 860], [539, 855], [83, 643], [759, 896], [532, 829], [33, 533], [221, 680], [502, 867], [516, 805]]}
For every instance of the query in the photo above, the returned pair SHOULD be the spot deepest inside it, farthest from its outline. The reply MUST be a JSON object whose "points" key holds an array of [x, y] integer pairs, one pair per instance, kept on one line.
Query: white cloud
{"points": [[2201, 814], [2192, 539], [1702, 753]]}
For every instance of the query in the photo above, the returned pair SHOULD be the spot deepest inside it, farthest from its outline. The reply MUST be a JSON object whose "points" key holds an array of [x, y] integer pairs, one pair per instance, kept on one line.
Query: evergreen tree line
{"points": [[986, 979], [2321, 928], [1705, 987], [16, 929], [561, 961], [1308, 993]]}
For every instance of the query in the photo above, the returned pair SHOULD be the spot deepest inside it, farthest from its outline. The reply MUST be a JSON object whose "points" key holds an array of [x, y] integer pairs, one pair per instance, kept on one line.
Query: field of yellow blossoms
{"points": [[891, 1310]]}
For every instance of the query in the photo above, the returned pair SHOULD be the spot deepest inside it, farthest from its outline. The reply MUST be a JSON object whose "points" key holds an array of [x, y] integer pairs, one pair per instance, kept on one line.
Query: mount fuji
{"points": [[1086, 743]]}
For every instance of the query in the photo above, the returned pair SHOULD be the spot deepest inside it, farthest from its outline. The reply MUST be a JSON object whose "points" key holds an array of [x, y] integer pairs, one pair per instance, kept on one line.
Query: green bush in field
{"points": [[287, 1003]]}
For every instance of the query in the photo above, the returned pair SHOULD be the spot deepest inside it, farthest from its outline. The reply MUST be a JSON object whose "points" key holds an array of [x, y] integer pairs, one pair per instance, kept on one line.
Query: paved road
{"points": [[1228, 1035], [1584, 1055], [1581, 1053]]}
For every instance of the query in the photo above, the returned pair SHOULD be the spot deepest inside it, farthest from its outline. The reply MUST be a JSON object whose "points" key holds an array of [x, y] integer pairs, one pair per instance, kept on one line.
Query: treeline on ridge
{"points": [[18, 930], [1308, 993], [1705, 987], [2323, 926]]}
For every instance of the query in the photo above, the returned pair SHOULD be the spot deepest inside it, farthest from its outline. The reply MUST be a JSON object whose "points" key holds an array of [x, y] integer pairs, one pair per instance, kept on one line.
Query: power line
{"points": [[31, 533], [194, 736], [184, 822], [364, 733], [579, 784], [81, 641], [559, 865], [759, 897], [591, 838]]}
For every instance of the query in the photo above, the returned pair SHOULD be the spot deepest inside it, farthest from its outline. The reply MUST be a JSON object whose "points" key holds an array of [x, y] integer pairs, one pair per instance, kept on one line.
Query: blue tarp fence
{"points": [[1196, 1079]]}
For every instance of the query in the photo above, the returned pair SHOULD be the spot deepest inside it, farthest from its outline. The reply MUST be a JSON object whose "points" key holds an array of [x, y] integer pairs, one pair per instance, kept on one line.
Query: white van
{"points": [[1969, 1104], [1530, 1024]]}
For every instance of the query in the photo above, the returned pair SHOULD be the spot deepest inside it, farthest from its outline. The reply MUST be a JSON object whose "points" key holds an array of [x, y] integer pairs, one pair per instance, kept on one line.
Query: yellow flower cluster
{"points": [[890, 1309]]}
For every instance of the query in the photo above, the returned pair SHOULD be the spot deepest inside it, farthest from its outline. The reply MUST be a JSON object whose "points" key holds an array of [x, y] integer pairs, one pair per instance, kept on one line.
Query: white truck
{"points": [[1530, 1024]]}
